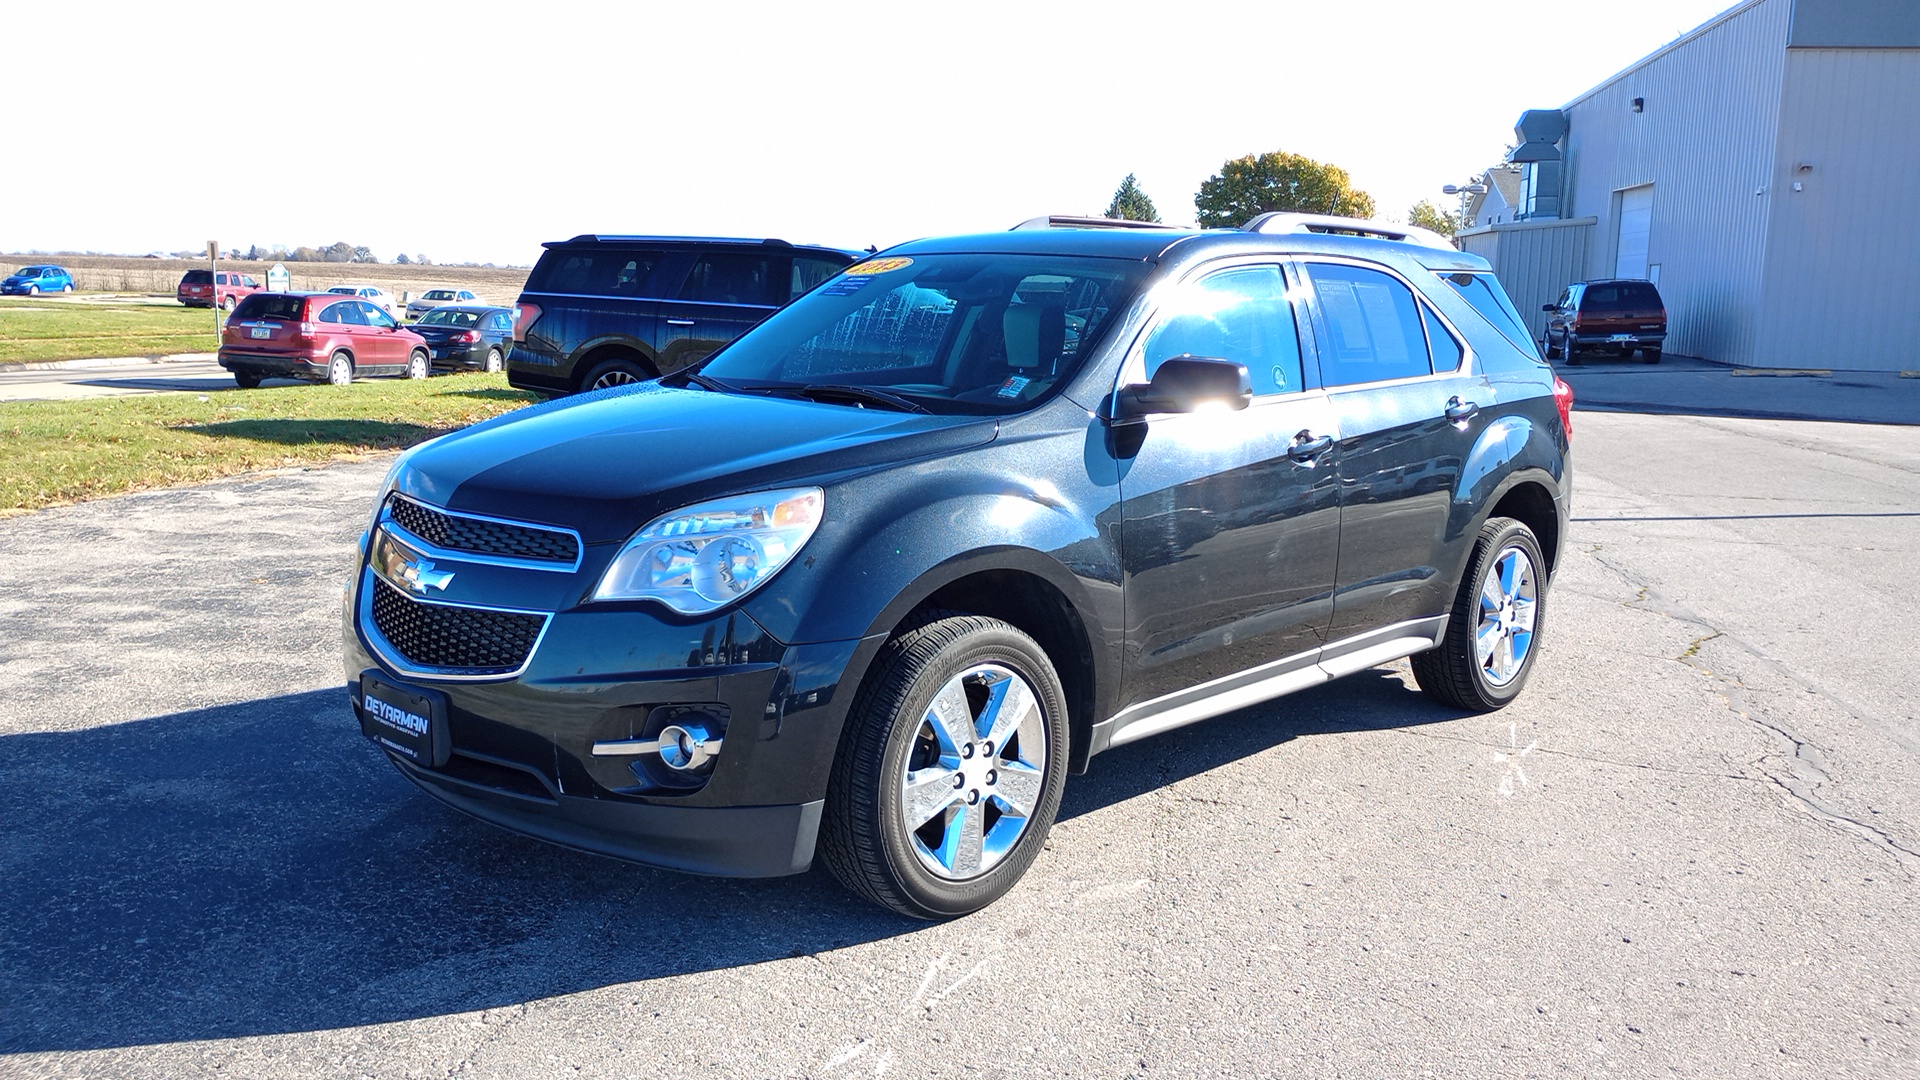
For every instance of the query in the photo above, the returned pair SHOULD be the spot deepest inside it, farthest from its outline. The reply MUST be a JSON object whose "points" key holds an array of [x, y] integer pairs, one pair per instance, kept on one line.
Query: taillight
{"points": [[1563, 397], [524, 316], [1578, 318], [467, 337]]}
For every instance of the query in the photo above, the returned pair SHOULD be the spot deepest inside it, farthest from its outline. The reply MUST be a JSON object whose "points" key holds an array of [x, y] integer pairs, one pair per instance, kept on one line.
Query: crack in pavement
{"points": [[1595, 759], [1807, 769]]}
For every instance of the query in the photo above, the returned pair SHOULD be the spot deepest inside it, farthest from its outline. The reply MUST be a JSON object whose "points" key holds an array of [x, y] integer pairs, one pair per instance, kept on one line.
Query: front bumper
{"points": [[522, 747]]}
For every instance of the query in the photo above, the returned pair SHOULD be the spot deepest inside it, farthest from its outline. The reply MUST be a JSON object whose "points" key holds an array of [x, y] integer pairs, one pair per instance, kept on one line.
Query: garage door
{"points": [[1631, 229]]}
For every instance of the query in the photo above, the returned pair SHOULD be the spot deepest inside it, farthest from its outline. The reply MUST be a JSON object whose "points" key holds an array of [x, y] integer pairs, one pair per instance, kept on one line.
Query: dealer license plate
{"points": [[409, 721], [261, 332]]}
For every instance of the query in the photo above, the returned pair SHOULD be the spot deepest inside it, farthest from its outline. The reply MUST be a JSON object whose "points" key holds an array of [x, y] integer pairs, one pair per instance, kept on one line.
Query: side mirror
{"points": [[1183, 384]]}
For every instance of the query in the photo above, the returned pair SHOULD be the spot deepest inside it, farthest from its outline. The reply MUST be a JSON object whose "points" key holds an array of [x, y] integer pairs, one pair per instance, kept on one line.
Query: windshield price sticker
{"points": [[877, 266]]}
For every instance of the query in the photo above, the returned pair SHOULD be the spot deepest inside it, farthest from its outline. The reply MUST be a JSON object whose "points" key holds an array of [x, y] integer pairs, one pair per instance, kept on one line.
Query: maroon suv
{"points": [[207, 288], [1617, 316], [318, 337]]}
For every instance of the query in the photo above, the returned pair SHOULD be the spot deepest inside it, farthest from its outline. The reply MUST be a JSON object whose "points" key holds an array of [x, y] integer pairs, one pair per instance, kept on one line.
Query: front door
{"points": [[1230, 520]]}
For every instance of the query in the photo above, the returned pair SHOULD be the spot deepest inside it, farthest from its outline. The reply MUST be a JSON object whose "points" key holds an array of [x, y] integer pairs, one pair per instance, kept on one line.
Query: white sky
{"points": [[474, 131]]}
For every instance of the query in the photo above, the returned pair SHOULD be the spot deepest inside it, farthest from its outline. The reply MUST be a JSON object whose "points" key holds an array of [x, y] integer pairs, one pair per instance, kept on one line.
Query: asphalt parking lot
{"points": [[1689, 849]]}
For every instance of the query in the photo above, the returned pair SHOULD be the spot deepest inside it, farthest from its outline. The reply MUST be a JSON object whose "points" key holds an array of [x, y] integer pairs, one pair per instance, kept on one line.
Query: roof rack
{"points": [[1070, 221], [1279, 222]]}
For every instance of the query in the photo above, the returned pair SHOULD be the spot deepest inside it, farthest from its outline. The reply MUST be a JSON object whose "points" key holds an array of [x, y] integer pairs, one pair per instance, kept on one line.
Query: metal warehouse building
{"points": [[1764, 170]]}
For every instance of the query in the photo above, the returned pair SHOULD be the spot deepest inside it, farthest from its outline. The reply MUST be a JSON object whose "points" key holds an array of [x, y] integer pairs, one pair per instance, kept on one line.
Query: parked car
{"points": [[467, 336], [320, 337], [37, 279], [433, 298], [873, 580], [372, 294], [209, 288], [600, 311], [1617, 315]]}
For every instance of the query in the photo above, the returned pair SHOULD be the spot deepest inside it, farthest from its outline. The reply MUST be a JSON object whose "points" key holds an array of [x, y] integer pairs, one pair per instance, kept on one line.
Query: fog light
{"points": [[687, 747]]}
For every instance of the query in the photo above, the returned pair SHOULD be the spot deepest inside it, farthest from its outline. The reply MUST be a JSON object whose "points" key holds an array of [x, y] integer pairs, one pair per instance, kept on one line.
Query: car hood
{"points": [[607, 462]]}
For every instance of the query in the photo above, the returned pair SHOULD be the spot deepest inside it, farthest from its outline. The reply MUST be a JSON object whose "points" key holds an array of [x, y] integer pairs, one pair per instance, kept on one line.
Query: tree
{"points": [[1249, 186], [1428, 216], [401, 259], [423, 260], [364, 254], [339, 251], [1132, 204], [307, 254]]}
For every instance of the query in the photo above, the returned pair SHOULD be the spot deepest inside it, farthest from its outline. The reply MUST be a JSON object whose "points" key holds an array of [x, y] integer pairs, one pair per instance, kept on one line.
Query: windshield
{"points": [[448, 317], [437, 294], [952, 333], [345, 290]]}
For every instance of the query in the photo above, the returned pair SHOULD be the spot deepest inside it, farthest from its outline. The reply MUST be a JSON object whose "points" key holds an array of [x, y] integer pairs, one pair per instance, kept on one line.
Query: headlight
{"points": [[705, 557]]}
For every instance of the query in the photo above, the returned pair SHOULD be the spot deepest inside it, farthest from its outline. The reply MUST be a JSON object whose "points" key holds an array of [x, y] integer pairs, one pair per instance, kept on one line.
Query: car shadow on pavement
{"points": [[1373, 700], [258, 868]]}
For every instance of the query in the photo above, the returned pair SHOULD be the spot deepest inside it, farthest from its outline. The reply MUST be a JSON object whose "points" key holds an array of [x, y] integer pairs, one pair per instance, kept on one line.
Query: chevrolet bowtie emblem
{"points": [[421, 576]]}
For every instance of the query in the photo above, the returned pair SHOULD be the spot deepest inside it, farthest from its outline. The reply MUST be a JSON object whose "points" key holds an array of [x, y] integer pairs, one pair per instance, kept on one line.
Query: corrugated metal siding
{"points": [[1843, 255], [1534, 260], [1706, 141]]}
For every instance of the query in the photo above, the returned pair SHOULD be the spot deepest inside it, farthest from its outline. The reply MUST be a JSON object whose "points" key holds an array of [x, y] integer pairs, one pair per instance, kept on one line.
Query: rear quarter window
{"points": [[197, 277], [594, 271]]}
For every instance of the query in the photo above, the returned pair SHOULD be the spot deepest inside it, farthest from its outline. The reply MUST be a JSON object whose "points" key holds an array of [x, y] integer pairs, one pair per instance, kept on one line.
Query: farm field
{"points": [[151, 277]]}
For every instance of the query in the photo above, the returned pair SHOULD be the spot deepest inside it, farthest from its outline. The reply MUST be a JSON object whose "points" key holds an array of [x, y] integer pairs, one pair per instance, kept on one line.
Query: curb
{"points": [[106, 361]]}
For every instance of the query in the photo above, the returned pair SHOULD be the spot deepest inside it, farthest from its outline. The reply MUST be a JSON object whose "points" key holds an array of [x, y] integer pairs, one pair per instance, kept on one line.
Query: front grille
{"points": [[471, 640], [458, 532]]}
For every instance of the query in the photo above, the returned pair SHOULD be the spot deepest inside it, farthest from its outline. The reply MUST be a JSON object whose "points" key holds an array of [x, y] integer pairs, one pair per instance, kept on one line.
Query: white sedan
{"points": [[372, 294], [433, 298]]}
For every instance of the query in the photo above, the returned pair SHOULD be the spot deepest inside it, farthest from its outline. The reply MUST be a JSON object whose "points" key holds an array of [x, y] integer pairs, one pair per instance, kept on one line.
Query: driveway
{"points": [[1690, 848]]}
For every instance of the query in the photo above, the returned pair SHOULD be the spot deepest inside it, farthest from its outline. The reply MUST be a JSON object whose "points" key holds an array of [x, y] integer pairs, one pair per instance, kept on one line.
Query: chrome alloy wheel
{"points": [[1508, 602], [613, 377], [975, 773]]}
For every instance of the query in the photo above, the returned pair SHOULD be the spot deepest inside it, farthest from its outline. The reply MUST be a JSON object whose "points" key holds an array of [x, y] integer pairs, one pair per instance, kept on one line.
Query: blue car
{"points": [[34, 280]]}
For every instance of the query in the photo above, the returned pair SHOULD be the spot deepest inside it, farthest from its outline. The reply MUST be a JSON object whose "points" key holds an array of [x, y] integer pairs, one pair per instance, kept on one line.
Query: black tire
{"points": [[865, 839], [340, 369], [1455, 674], [229, 304], [67, 288], [619, 371], [1651, 356], [494, 361], [1553, 352], [33, 290], [419, 364], [247, 380]]}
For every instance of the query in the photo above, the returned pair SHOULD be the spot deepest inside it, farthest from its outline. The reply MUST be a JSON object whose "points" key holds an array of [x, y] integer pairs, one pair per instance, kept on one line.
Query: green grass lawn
{"points": [[43, 328], [65, 451]]}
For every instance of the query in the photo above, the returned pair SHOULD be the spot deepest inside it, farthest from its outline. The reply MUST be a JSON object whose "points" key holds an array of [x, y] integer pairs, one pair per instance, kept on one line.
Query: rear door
{"points": [[1393, 368], [599, 295], [725, 292], [1230, 520]]}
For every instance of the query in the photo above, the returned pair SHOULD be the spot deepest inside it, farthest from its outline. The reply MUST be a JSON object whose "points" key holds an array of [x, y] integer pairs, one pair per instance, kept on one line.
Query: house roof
{"points": [[1504, 180]]}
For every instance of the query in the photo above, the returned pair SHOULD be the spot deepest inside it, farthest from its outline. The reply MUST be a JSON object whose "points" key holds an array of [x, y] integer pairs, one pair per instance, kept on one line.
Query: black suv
{"points": [[933, 536], [601, 311]]}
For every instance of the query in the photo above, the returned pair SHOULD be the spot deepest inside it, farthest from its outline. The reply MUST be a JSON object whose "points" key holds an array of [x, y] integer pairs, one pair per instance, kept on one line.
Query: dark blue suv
{"points": [[874, 580], [601, 311]]}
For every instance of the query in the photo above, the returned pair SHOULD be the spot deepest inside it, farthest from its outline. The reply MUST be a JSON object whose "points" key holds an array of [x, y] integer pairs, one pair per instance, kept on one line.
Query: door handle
{"points": [[1461, 411], [1306, 446], [679, 322]]}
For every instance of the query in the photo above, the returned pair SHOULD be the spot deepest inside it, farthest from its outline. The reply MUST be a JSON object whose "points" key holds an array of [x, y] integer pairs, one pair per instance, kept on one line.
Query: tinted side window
{"points": [[372, 315], [589, 271], [725, 277], [347, 311], [1447, 352], [1373, 324], [810, 272], [1490, 300], [1240, 315]]}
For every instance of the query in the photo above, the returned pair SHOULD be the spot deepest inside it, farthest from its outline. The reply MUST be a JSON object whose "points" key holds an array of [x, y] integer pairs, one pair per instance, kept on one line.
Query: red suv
{"points": [[317, 336], [206, 288]]}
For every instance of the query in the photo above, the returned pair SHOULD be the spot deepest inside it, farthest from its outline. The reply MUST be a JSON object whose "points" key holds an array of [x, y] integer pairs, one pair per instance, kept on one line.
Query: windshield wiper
{"points": [[707, 382], [856, 394]]}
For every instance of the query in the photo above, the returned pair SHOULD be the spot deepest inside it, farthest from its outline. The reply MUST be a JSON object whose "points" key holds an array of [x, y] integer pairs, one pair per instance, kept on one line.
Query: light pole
{"points": [[1477, 187]]}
